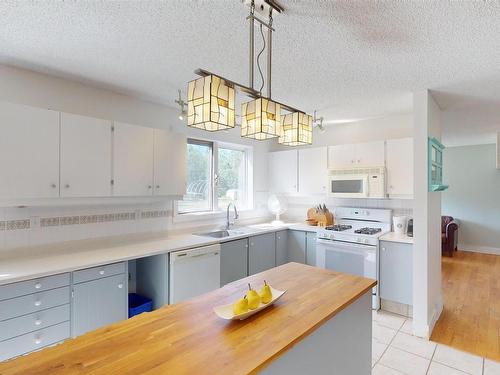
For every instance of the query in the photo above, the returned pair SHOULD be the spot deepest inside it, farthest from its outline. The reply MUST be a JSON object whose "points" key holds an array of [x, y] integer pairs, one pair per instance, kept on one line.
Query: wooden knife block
{"points": [[323, 218]]}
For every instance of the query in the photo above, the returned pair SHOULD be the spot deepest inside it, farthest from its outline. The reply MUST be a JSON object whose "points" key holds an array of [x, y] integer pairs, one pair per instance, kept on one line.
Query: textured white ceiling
{"points": [[348, 59]]}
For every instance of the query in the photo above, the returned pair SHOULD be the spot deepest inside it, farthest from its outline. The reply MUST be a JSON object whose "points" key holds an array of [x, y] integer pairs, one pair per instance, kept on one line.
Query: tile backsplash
{"points": [[42, 225], [297, 206]]}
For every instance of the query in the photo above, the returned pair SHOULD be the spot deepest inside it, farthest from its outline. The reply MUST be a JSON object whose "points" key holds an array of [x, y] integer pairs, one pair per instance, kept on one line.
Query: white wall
{"points": [[377, 129], [472, 198], [427, 299], [40, 90]]}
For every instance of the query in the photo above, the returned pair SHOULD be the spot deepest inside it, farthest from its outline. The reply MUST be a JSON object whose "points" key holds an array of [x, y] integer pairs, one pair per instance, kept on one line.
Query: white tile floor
{"points": [[396, 352]]}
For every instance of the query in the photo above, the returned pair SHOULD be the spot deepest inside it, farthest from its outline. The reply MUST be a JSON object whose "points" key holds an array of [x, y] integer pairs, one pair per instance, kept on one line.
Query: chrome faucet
{"points": [[228, 223]]}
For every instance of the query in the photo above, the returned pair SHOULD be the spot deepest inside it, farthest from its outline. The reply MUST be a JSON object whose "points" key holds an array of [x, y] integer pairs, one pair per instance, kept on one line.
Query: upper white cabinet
{"points": [[170, 155], [341, 156], [358, 155], [133, 156], [283, 171], [313, 171], [85, 156], [370, 154], [29, 151], [400, 167]]}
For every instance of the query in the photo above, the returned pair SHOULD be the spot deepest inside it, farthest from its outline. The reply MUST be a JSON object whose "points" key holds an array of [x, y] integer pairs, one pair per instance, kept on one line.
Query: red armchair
{"points": [[449, 235]]}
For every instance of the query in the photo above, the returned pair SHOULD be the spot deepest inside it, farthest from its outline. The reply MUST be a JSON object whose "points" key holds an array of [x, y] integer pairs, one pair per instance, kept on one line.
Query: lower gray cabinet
{"points": [[233, 261], [297, 246], [311, 248], [396, 272], [34, 314], [99, 302], [281, 247], [261, 253]]}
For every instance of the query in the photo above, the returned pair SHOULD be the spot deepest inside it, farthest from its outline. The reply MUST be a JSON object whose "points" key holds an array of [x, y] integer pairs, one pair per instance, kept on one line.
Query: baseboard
{"points": [[479, 249], [425, 331], [435, 316]]}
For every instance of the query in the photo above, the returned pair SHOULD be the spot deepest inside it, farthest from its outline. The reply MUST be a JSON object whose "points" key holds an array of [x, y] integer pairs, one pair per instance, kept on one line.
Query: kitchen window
{"points": [[217, 174]]}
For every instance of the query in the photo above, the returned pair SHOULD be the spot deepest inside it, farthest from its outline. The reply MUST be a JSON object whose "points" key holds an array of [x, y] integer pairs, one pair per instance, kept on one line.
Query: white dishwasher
{"points": [[194, 272]]}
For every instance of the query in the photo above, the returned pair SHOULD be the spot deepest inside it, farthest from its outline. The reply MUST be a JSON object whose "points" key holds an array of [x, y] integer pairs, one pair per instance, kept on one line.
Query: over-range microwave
{"points": [[357, 183]]}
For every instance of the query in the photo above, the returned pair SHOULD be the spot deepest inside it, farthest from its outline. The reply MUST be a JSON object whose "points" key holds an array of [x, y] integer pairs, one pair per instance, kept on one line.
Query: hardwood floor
{"points": [[471, 291]]}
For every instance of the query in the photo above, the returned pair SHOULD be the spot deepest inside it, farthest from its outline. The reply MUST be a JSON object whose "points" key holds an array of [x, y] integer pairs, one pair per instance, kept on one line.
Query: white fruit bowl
{"points": [[226, 311]]}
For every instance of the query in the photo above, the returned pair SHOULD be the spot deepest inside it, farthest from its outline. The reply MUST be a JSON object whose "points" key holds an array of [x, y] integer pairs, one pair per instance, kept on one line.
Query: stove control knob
{"points": [[367, 240]]}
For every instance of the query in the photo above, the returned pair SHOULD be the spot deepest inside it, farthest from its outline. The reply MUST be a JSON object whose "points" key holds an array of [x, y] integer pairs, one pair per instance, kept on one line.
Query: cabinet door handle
{"points": [[38, 286], [38, 322], [38, 341], [38, 303], [251, 243], [383, 249], [66, 186], [157, 186], [150, 187], [53, 186], [120, 286], [101, 272]]}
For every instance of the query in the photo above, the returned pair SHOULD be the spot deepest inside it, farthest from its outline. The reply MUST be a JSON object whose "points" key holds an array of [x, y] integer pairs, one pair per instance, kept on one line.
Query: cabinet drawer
{"points": [[98, 272], [33, 341], [27, 323], [33, 286], [15, 307]]}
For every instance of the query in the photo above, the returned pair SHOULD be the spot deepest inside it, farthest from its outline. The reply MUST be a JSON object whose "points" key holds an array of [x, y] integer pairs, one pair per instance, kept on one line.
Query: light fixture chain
{"points": [[258, 57]]}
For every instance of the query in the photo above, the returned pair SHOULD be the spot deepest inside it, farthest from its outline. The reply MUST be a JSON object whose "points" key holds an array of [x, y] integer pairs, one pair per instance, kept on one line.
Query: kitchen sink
{"points": [[215, 234], [222, 233]]}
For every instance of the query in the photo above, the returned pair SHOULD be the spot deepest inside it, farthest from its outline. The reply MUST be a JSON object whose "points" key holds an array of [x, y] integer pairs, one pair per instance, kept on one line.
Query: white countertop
{"points": [[396, 237], [24, 263]]}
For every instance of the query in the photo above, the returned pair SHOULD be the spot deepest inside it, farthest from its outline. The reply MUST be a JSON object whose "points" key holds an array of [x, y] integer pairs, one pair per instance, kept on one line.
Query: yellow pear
{"points": [[240, 306], [253, 298], [266, 295]]}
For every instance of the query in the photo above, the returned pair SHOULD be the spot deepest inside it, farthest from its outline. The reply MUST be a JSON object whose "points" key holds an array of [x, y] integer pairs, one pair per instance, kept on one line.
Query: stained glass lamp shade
{"points": [[296, 129], [210, 104], [260, 119]]}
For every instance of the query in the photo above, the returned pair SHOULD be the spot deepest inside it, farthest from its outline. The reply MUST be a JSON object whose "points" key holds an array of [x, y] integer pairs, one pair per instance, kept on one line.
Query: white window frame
{"points": [[213, 199]]}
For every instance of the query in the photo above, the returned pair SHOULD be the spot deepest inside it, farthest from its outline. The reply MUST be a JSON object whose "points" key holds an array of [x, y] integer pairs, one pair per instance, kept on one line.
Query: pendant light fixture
{"points": [[261, 117], [210, 104], [211, 98], [296, 129]]}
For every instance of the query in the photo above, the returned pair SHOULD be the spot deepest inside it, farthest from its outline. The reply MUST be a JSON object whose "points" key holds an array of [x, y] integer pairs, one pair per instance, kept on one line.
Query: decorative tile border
{"points": [[17, 224], [57, 221], [153, 214], [49, 222], [86, 219]]}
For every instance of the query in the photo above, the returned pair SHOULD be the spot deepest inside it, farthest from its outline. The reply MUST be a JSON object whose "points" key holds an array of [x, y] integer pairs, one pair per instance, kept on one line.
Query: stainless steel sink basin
{"points": [[222, 233], [215, 234]]}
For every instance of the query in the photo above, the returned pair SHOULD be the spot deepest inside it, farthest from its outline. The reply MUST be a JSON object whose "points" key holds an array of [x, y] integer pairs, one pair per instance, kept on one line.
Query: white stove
{"points": [[351, 245]]}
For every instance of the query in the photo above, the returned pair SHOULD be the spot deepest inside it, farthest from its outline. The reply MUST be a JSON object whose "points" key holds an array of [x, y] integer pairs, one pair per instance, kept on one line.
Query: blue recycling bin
{"points": [[138, 304]]}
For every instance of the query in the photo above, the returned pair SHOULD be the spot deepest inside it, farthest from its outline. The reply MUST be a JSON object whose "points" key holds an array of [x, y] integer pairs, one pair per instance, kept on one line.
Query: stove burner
{"points": [[367, 230], [338, 227]]}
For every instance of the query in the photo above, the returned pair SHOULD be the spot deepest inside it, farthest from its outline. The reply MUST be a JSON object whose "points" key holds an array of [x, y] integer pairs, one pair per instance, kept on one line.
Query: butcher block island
{"points": [[322, 325]]}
